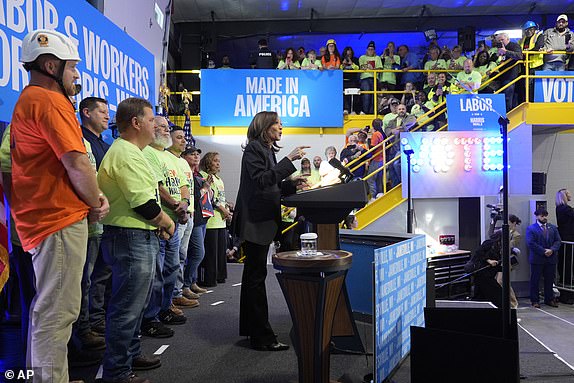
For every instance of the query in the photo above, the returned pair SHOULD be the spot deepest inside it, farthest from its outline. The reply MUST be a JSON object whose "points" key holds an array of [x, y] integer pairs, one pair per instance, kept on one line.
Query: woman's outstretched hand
{"points": [[297, 153]]}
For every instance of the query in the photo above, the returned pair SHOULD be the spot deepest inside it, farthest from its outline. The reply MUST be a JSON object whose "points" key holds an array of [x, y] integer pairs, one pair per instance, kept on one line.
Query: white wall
{"points": [[137, 19], [229, 147], [552, 153]]}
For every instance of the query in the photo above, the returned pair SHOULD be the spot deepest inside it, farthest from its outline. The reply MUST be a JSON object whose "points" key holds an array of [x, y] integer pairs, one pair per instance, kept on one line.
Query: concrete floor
{"points": [[552, 327]]}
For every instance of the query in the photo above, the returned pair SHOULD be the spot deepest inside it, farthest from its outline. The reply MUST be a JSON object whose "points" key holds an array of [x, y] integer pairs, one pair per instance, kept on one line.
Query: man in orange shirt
{"points": [[54, 193]]}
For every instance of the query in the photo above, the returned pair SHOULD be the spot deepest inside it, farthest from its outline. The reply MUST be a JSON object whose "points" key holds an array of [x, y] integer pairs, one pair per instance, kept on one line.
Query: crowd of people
{"points": [[464, 71], [123, 237]]}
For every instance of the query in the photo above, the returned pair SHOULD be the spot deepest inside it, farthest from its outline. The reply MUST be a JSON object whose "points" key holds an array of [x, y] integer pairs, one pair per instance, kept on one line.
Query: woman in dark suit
{"points": [[257, 221], [565, 222]]}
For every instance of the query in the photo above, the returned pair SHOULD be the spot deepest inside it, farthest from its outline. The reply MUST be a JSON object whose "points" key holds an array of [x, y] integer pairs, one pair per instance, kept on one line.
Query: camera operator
{"points": [[352, 151], [486, 288], [558, 38]]}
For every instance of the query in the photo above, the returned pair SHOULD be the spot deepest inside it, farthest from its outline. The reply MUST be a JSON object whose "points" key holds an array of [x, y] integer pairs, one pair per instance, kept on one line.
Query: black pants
{"points": [[213, 268], [253, 310], [488, 289]]}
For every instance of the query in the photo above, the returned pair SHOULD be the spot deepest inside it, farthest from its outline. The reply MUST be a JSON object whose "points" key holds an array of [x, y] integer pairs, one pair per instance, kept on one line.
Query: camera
{"points": [[495, 213]]}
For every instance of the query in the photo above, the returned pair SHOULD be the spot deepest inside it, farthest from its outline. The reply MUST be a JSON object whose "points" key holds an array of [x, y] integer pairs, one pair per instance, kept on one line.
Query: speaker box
{"points": [[538, 183], [466, 39]]}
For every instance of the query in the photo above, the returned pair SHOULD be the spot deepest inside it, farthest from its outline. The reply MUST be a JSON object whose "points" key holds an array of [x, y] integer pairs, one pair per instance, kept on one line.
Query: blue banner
{"points": [[554, 89], [114, 66], [400, 297], [474, 111], [302, 98]]}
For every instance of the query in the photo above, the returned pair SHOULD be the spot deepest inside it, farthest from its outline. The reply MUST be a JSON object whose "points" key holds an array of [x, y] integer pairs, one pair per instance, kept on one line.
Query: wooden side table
{"points": [[312, 286]]}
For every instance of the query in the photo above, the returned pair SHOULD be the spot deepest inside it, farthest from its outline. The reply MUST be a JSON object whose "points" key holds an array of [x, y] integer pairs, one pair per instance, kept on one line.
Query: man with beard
{"points": [[558, 38], [55, 194], [315, 176], [543, 241], [468, 78], [403, 122], [166, 170]]}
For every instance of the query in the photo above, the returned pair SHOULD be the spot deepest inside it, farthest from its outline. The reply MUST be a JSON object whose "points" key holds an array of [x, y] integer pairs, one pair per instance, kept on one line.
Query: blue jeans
{"points": [[509, 95], [185, 235], [82, 325], [367, 84], [166, 268], [131, 254], [376, 181], [99, 291], [554, 66], [195, 254]]}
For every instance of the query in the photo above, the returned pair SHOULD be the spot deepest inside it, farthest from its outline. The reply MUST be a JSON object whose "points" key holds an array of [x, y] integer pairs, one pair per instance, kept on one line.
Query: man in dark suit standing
{"points": [[543, 242], [257, 221]]}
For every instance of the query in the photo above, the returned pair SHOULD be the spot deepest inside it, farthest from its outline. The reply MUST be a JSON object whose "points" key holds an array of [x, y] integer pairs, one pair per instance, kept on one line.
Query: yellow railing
{"points": [[426, 118]]}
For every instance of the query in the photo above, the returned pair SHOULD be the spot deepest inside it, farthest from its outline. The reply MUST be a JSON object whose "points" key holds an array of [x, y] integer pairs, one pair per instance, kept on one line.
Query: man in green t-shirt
{"points": [[179, 144], [174, 194], [130, 242], [469, 79]]}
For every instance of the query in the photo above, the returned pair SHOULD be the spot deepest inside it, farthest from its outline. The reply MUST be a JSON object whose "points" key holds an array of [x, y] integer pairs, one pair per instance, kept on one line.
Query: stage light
{"points": [[467, 168], [416, 168], [404, 141]]}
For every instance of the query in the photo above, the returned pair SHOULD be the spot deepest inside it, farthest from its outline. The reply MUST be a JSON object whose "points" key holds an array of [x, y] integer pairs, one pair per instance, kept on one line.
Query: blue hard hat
{"points": [[528, 25]]}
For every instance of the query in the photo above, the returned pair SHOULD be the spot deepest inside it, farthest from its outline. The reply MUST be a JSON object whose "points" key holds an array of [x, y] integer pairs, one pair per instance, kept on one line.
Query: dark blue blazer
{"points": [[537, 242]]}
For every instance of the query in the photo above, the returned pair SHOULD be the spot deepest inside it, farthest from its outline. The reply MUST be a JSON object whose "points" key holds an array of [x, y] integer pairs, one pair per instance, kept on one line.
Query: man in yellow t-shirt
{"points": [[179, 144], [130, 244], [174, 194]]}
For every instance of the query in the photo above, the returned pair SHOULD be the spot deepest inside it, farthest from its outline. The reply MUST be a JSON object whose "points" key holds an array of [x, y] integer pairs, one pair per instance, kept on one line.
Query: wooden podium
{"points": [[312, 288]]}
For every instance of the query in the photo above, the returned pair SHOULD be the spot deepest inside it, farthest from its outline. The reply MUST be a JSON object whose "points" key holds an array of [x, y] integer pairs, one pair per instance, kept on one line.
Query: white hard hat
{"points": [[46, 41]]}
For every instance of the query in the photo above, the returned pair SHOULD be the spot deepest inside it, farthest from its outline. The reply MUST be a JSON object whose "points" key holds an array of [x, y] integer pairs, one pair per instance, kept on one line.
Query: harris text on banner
{"points": [[474, 111]]}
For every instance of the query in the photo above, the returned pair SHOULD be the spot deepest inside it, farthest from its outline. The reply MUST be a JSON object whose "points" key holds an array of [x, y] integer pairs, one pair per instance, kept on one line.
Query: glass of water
{"points": [[308, 244]]}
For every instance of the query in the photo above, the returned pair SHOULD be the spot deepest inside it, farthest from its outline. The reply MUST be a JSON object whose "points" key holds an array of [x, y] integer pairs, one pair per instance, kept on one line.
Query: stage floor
{"points": [[208, 348]]}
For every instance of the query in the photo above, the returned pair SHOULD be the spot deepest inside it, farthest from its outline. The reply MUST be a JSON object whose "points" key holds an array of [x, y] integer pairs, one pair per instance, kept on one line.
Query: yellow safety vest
{"points": [[537, 59]]}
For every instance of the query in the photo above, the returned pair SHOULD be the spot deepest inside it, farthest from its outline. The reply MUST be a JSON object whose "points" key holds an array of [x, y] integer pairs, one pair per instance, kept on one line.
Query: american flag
{"points": [[187, 130]]}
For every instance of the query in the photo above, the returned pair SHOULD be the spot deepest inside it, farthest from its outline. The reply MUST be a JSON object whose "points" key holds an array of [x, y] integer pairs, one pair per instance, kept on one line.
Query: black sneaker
{"points": [[142, 362], [169, 317], [156, 330]]}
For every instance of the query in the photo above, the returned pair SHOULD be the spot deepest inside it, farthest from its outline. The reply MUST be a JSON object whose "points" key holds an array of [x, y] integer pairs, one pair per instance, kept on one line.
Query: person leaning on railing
{"points": [[558, 38], [532, 40]]}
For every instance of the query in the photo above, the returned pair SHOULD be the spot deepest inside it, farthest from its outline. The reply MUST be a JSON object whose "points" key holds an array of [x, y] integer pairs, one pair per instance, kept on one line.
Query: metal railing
{"points": [[428, 117], [565, 266]]}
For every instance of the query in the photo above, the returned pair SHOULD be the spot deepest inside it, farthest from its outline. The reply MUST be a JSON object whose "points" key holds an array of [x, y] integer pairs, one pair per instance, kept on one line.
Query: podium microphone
{"points": [[346, 174]]}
